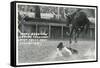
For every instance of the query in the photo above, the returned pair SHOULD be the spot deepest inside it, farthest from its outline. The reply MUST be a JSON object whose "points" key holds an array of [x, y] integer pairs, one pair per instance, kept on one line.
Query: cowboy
{"points": [[65, 51]]}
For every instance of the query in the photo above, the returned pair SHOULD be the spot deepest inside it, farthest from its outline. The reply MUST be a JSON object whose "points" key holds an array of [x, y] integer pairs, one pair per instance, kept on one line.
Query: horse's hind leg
{"points": [[76, 36], [77, 33]]}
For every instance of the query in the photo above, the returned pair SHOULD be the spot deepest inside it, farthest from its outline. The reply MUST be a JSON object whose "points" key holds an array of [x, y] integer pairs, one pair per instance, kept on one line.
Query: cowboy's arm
{"points": [[59, 53], [70, 53]]}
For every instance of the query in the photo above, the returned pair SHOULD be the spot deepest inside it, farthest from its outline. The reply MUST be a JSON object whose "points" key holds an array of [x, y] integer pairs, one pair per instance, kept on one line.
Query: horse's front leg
{"points": [[70, 36]]}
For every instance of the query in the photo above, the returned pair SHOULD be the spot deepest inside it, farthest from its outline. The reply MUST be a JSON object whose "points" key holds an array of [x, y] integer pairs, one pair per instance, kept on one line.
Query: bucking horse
{"points": [[77, 22]]}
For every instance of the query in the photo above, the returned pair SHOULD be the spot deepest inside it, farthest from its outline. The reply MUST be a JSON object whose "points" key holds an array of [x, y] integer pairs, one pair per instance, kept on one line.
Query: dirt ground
{"points": [[45, 51]]}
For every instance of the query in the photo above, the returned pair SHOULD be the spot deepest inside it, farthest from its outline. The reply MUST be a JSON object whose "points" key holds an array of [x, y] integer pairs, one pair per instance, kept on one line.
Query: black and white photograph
{"points": [[52, 33]]}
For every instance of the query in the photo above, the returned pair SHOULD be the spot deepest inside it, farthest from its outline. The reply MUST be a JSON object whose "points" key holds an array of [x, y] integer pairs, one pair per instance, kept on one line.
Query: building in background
{"points": [[51, 21]]}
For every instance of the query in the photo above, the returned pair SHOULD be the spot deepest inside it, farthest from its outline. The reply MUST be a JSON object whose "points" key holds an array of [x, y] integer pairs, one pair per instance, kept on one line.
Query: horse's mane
{"points": [[71, 17]]}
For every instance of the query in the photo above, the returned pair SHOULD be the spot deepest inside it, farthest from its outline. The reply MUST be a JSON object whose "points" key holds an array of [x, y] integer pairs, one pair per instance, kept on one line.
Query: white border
{"points": [[52, 61]]}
